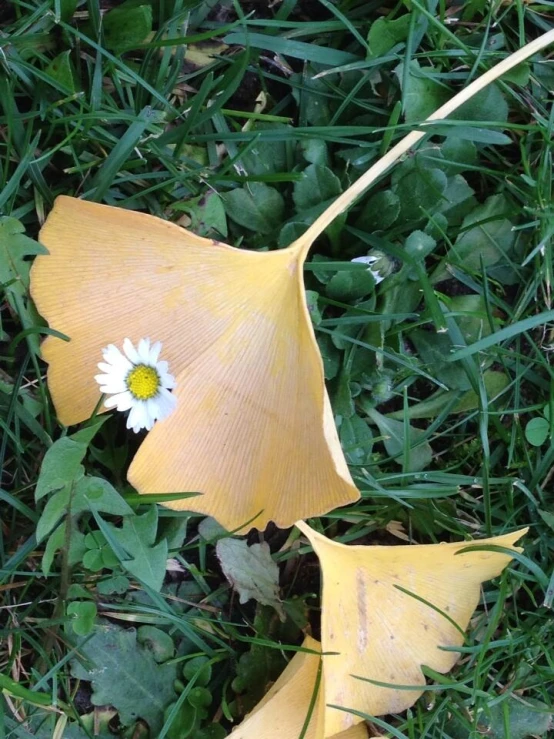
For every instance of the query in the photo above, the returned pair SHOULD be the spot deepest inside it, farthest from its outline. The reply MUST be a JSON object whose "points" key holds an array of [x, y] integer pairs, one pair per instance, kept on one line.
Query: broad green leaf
{"points": [[537, 431], [380, 212], [79, 592], [54, 510], [57, 541], [211, 731], [83, 615], [251, 571], [423, 95], [62, 462], [525, 717], [548, 518], [200, 697], [60, 466], [97, 494], [210, 530], [157, 641], [199, 669], [487, 105], [434, 349], [343, 405], [184, 723], [428, 156], [317, 185], [384, 34], [436, 226], [207, 214], [67, 8], [312, 302], [495, 382], [93, 560], [487, 236], [291, 231], [315, 151], [256, 206], [403, 297], [146, 561], [125, 674], [395, 441], [419, 245], [266, 157], [473, 320], [78, 495], [126, 26], [14, 248], [420, 191], [61, 70], [116, 585], [457, 200], [40, 724], [99, 554], [312, 96], [174, 530], [323, 268], [330, 354], [356, 440], [518, 75], [460, 151], [261, 665], [350, 285]]}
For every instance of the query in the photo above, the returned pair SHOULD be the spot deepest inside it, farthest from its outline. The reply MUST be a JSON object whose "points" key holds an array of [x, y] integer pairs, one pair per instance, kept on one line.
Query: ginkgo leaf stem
{"points": [[304, 243]]}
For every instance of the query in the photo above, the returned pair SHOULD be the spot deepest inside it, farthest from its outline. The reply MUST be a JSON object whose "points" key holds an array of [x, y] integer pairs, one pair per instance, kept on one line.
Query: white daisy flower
{"points": [[137, 382], [370, 261], [380, 265]]}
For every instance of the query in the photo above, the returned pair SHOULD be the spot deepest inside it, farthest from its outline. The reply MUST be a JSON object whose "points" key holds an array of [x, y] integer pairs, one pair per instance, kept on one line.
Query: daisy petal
{"points": [[130, 351], [155, 350], [107, 381], [167, 380], [111, 353], [151, 411], [120, 400], [166, 404], [112, 389], [143, 351], [126, 401], [132, 419]]}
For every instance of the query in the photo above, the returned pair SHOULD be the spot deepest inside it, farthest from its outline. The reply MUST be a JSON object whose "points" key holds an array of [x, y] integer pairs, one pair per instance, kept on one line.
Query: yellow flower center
{"points": [[143, 382]]}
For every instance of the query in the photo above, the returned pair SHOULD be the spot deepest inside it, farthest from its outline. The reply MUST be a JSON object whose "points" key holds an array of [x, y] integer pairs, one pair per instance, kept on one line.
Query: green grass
{"points": [[117, 111]]}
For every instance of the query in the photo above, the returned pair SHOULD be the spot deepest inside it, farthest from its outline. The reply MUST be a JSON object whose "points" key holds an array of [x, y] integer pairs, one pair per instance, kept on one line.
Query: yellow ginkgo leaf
{"points": [[283, 711], [388, 610], [253, 429]]}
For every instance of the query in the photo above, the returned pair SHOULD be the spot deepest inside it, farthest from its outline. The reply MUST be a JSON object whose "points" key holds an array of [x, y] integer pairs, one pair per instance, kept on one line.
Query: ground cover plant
{"points": [[243, 122]]}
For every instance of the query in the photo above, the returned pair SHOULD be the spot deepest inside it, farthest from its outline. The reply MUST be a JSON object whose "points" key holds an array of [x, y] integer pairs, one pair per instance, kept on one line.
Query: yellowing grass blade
{"points": [[253, 430], [283, 712], [383, 633]]}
